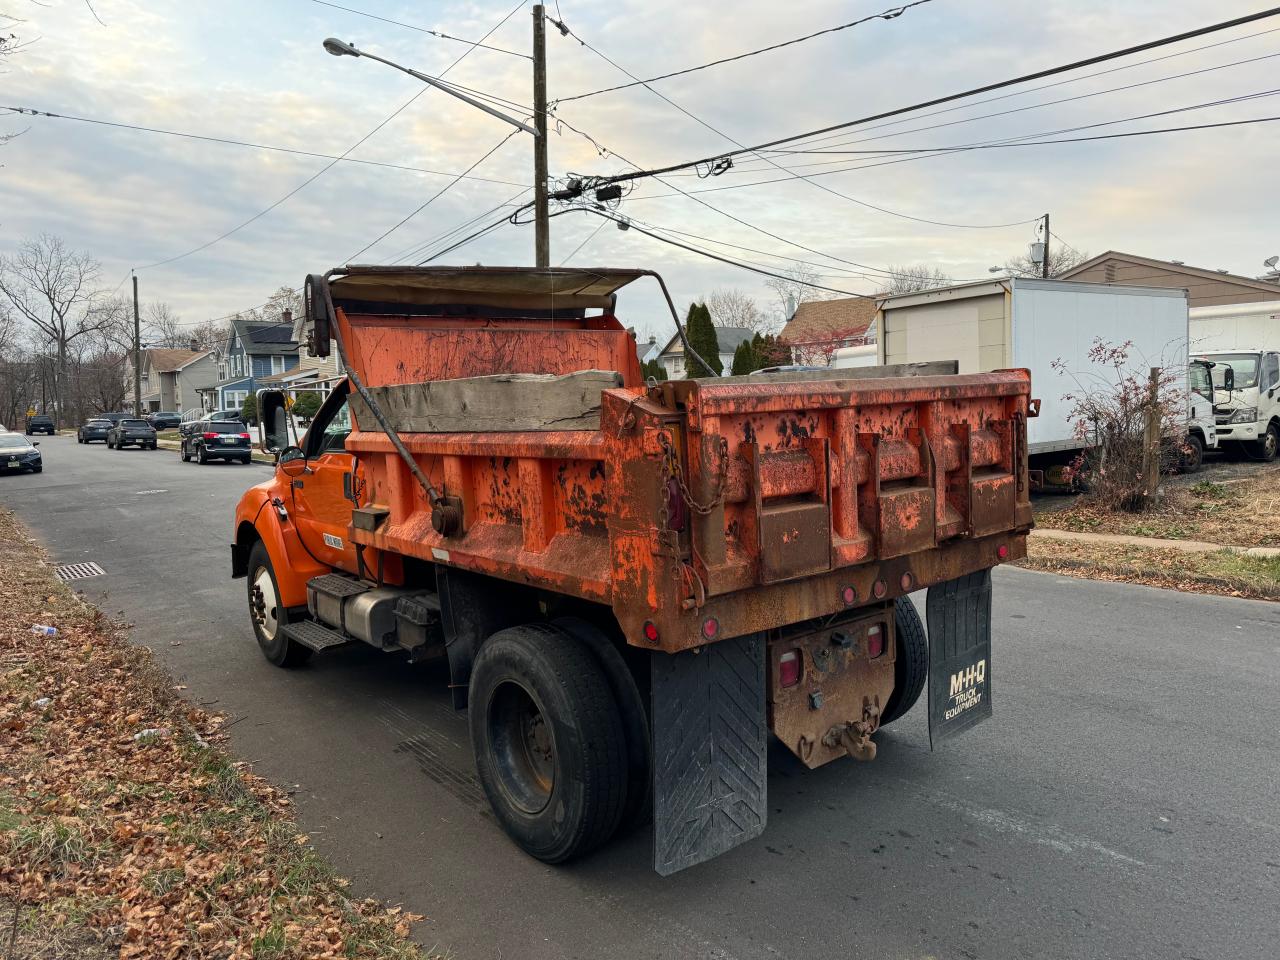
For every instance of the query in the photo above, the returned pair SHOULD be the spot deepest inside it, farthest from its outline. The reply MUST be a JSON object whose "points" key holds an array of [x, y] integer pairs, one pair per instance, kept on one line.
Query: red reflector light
{"points": [[875, 642], [880, 589], [212, 436], [789, 669], [1002, 551], [710, 627], [650, 631], [848, 595], [907, 582]]}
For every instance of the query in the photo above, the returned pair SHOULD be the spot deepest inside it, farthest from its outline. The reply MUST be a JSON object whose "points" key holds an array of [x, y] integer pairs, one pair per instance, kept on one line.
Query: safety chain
{"points": [[671, 469]]}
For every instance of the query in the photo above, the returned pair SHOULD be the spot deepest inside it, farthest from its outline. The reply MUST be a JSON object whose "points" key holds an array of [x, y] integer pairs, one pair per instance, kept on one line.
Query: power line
{"points": [[32, 111], [434, 197], [924, 153], [771, 162], [410, 26], [889, 14], [418, 246], [936, 101], [591, 236], [329, 166], [828, 149]]}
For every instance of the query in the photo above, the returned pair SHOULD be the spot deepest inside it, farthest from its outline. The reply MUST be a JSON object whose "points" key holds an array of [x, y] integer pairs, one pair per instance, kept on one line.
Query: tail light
{"points": [[244, 436], [789, 669], [211, 436], [875, 641]]}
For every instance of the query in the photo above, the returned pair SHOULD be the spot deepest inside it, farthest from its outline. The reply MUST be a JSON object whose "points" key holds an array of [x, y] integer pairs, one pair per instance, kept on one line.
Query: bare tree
{"points": [[1061, 259], [208, 334], [162, 327], [732, 308], [54, 288], [796, 286], [914, 278]]}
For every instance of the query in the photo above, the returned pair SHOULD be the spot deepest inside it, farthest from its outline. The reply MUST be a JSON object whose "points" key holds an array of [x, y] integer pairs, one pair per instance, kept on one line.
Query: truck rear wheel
{"points": [[548, 739], [268, 615], [912, 665]]}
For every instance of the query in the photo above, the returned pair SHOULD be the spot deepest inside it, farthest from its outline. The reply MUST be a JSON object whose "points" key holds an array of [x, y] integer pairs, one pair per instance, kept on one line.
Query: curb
{"points": [[1084, 567], [1154, 543]]}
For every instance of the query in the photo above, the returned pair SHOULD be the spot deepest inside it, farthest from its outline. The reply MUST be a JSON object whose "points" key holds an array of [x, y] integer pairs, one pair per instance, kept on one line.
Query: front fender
{"points": [[258, 519]]}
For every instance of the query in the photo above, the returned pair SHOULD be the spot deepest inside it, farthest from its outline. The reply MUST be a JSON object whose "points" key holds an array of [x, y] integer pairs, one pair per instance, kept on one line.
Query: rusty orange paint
{"points": [[798, 490]]}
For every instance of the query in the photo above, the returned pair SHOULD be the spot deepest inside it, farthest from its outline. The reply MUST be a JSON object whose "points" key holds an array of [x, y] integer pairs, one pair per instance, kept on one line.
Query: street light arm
{"points": [[338, 48]]}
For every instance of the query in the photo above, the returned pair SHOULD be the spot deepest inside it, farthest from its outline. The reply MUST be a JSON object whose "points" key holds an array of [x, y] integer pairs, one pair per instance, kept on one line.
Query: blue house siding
{"points": [[245, 368]]}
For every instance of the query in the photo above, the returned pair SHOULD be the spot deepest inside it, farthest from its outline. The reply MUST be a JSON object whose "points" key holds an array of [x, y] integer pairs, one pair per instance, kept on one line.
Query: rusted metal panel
{"points": [[845, 679]]}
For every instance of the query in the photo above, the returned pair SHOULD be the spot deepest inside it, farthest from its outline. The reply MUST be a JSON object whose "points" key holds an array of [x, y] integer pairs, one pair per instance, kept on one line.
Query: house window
{"points": [[277, 364]]}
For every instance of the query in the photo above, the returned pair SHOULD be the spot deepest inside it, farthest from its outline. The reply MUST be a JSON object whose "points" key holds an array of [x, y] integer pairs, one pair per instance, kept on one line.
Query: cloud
{"points": [[255, 71]]}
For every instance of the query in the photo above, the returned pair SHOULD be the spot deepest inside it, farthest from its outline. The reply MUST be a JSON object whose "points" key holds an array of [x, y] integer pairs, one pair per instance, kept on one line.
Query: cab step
{"points": [[314, 636]]}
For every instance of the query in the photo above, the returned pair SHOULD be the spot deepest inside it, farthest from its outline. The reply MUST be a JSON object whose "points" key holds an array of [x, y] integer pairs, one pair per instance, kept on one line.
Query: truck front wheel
{"points": [[268, 615], [549, 742], [1265, 447], [911, 667]]}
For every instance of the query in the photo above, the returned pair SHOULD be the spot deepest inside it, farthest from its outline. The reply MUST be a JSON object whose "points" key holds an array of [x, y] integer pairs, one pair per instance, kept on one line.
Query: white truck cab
{"points": [[1202, 433], [1247, 400]]}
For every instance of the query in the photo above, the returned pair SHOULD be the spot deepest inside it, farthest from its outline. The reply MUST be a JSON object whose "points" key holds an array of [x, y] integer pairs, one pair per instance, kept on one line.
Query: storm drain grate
{"points": [[78, 571]]}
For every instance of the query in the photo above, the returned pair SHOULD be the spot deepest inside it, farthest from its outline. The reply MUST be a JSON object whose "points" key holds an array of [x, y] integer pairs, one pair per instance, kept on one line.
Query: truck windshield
{"points": [[1244, 364]]}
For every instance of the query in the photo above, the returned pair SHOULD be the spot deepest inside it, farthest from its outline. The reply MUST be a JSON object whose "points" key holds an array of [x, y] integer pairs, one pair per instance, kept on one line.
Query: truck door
{"points": [[321, 507]]}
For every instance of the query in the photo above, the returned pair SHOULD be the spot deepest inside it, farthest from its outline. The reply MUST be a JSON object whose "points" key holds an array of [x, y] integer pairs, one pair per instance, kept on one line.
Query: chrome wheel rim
{"points": [[263, 605]]}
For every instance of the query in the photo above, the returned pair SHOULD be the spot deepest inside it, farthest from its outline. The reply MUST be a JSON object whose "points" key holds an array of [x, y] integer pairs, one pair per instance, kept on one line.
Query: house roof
{"points": [[265, 338], [727, 338], [167, 361], [1200, 273], [816, 321]]}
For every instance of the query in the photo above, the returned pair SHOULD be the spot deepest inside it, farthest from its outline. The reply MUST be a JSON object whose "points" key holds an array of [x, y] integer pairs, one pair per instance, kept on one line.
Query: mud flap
{"points": [[959, 614], [709, 736]]}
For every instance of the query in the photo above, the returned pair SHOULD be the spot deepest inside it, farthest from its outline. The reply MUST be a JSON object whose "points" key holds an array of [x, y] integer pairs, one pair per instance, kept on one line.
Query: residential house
{"points": [[254, 350], [172, 379], [816, 329], [311, 373], [647, 350], [728, 338], [1205, 288]]}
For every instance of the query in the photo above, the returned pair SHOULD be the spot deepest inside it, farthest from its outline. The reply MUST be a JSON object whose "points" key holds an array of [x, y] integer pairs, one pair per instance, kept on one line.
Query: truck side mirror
{"points": [[316, 330], [273, 421], [1228, 379]]}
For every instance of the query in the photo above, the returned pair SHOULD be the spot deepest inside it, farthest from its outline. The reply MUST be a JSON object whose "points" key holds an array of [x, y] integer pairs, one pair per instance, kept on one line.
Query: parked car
{"points": [[164, 419], [19, 453], [217, 439], [193, 417], [115, 416], [95, 428], [40, 424], [132, 431]]}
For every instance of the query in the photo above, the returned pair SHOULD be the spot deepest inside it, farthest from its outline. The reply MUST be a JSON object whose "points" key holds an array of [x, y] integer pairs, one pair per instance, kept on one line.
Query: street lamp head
{"points": [[340, 48]]}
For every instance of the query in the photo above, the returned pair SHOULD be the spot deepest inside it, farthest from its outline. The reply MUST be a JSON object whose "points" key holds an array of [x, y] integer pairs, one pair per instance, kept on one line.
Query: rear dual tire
{"points": [[549, 740], [911, 665]]}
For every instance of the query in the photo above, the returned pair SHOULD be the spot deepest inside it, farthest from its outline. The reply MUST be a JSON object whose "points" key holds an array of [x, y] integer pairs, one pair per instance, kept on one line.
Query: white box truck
{"points": [[1038, 324], [1242, 341]]}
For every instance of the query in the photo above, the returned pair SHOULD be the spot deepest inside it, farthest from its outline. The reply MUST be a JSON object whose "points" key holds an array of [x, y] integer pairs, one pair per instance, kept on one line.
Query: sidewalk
{"points": [[1154, 543]]}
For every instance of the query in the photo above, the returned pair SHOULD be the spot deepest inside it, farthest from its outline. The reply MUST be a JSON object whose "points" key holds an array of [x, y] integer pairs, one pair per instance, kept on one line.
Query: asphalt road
{"points": [[1123, 802]]}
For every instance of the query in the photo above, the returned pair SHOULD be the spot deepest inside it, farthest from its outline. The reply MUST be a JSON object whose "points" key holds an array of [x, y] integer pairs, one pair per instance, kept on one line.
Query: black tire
{"points": [[186, 457], [39, 469], [548, 741], [201, 457], [267, 617], [1192, 454], [1264, 450], [911, 668], [638, 808], [245, 460]]}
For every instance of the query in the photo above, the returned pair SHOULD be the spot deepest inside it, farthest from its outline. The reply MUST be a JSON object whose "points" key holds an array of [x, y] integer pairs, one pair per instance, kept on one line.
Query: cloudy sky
{"points": [[256, 72]]}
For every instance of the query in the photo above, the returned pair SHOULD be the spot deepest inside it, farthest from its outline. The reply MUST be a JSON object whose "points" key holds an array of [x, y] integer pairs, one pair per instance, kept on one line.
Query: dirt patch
{"points": [[1221, 572], [125, 828], [1236, 508]]}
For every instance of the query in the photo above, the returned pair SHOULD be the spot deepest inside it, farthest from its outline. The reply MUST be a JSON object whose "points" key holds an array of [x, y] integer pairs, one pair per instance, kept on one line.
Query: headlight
{"points": [[1244, 415]]}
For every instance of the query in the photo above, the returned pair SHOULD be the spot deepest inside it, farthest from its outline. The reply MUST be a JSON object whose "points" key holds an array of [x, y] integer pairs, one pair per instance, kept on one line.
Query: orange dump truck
{"points": [[632, 584]]}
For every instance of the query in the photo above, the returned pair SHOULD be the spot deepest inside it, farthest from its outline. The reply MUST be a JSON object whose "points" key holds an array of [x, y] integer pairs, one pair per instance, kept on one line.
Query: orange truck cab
{"points": [[632, 583]]}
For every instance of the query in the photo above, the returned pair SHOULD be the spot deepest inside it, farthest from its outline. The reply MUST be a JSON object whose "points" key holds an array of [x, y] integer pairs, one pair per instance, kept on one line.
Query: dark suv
{"points": [[217, 440], [40, 424], [164, 419], [132, 431]]}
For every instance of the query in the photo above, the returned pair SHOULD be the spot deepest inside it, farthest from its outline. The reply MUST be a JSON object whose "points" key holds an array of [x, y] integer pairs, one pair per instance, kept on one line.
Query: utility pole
{"points": [[1044, 263], [542, 222], [137, 353]]}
